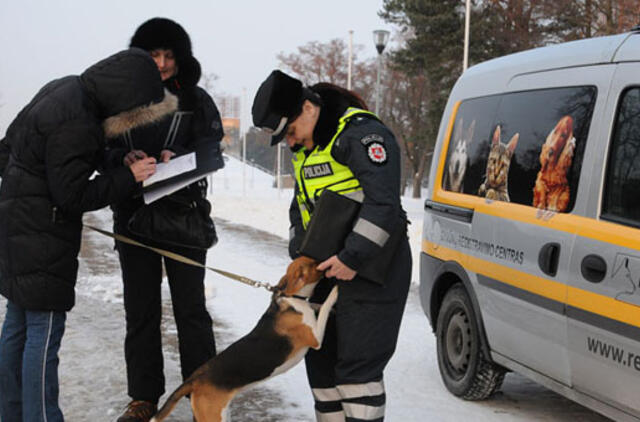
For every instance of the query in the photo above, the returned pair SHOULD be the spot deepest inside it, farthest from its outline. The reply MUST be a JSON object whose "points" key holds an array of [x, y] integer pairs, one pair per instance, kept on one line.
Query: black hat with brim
{"points": [[277, 102]]}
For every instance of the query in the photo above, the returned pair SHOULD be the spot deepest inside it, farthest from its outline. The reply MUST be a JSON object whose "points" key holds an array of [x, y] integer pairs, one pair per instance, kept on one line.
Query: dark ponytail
{"points": [[338, 96], [334, 102]]}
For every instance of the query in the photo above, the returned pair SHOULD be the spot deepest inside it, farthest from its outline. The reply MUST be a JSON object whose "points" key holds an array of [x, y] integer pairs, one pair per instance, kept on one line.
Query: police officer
{"points": [[338, 145]]}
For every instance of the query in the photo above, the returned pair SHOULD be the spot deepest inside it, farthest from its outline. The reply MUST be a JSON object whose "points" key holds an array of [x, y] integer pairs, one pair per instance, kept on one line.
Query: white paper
{"points": [[156, 194], [174, 167]]}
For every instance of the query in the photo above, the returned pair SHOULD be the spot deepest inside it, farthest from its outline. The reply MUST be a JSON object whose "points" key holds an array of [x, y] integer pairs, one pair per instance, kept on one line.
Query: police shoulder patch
{"points": [[373, 137], [377, 153]]}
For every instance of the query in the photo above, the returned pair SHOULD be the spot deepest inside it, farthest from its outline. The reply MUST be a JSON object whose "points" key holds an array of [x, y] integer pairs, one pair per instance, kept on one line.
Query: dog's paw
{"points": [[333, 296]]}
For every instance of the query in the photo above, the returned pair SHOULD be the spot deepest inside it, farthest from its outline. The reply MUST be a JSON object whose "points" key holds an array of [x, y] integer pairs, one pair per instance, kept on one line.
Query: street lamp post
{"points": [[380, 39], [467, 18], [350, 61]]}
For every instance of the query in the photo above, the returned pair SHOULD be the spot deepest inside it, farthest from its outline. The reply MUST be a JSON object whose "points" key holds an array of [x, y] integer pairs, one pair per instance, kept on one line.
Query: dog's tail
{"points": [[167, 407]]}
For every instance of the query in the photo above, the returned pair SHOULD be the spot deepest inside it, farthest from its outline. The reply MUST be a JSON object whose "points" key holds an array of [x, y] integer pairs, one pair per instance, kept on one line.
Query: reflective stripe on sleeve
{"points": [[357, 196], [292, 233], [362, 411], [326, 394], [370, 231], [330, 417], [349, 391]]}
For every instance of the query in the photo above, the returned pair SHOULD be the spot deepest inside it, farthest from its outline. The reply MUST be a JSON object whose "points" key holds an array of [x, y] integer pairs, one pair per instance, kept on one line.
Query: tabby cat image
{"points": [[495, 182]]}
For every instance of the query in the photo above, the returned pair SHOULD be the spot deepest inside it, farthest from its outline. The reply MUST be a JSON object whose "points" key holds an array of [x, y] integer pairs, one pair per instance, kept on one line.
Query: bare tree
{"points": [[404, 103], [209, 80], [328, 62], [318, 62]]}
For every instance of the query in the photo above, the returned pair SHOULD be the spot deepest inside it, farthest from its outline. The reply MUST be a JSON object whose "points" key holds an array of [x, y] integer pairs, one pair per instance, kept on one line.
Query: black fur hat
{"points": [[166, 34]]}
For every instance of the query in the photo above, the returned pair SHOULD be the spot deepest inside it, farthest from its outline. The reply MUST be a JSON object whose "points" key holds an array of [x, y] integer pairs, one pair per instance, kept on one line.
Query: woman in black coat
{"points": [[195, 126], [47, 161]]}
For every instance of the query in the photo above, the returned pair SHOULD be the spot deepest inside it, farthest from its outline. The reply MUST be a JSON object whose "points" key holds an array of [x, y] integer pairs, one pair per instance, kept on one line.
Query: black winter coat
{"points": [[195, 125], [55, 145]]}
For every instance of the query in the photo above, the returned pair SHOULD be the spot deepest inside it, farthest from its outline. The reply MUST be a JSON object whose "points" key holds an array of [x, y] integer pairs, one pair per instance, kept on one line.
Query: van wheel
{"points": [[463, 367]]}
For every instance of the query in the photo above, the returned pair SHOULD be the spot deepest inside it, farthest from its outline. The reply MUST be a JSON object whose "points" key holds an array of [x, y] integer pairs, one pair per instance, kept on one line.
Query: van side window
{"points": [[621, 201], [523, 147], [466, 155]]}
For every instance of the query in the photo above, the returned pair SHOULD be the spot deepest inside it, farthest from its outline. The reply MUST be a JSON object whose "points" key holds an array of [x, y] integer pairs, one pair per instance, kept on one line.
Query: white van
{"points": [[531, 242]]}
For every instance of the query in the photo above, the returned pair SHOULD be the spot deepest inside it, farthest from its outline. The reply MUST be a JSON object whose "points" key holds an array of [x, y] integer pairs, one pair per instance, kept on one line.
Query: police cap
{"points": [[278, 101]]}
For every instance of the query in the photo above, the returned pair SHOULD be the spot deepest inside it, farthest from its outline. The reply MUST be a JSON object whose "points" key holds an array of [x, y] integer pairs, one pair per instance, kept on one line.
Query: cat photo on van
{"points": [[454, 177], [551, 191], [495, 183]]}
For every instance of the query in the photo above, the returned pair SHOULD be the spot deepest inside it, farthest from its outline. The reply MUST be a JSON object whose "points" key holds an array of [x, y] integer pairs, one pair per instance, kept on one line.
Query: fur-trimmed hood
{"points": [[123, 81], [127, 91], [140, 116]]}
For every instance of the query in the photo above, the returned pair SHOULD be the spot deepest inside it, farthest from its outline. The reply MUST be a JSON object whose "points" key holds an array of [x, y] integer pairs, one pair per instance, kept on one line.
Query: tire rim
{"points": [[458, 342]]}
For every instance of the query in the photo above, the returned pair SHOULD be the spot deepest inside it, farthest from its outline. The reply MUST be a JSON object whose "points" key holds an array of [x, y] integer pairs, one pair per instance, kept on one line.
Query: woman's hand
{"points": [[133, 156], [143, 169], [335, 268], [166, 155]]}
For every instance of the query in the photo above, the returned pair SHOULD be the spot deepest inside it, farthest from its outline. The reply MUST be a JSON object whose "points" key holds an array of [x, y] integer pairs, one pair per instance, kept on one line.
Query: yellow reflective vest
{"points": [[317, 171]]}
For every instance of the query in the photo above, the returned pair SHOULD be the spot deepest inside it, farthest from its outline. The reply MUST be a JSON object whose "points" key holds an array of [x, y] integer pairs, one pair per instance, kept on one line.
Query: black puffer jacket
{"points": [[56, 142]]}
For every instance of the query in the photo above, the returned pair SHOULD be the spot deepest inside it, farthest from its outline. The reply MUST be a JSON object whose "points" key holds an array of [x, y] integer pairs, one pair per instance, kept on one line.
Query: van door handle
{"points": [[593, 268], [548, 258]]}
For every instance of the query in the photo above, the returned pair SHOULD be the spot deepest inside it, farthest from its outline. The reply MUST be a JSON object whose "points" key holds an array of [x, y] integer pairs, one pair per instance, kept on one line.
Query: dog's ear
{"points": [[310, 272], [282, 283], [300, 272], [470, 131], [457, 135]]}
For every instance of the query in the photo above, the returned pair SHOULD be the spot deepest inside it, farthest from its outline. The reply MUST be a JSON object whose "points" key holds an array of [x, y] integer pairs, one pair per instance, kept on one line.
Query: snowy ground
{"points": [[252, 225]]}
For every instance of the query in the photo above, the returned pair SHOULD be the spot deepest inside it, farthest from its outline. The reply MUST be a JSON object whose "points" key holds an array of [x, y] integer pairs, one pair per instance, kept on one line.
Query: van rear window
{"points": [[523, 147], [621, 200]]}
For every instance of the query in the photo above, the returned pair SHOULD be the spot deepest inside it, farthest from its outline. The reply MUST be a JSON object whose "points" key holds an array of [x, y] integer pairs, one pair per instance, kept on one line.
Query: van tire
{"points": [[463, 367]]}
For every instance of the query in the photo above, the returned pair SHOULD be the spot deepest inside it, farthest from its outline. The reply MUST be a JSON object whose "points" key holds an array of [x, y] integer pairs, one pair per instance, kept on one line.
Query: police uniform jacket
{"points": [[369, 149], [51, 150]]}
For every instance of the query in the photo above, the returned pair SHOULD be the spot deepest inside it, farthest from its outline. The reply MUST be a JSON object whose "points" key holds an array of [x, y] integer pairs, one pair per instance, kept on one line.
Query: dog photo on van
{"points": [[551, 191], [496, 179], [458, 161]]}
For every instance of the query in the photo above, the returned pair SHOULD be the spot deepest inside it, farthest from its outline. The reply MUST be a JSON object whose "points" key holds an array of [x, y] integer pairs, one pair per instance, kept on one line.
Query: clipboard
{"points": [[205, 161]]}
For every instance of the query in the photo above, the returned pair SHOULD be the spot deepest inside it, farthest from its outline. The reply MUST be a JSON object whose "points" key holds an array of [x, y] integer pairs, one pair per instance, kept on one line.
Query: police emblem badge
{"points": [[377, 153]]}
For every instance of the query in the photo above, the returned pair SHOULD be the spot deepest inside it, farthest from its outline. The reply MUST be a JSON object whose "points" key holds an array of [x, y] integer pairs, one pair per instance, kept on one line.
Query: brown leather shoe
{"points": [[138, 411]]}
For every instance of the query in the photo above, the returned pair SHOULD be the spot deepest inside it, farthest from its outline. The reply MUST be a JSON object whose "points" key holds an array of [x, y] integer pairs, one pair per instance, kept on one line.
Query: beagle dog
{"points": [[278, 342]]}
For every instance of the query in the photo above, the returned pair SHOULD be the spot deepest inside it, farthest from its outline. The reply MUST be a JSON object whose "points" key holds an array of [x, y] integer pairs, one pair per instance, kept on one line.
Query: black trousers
{"points": [[142, 276], [346, 374]]}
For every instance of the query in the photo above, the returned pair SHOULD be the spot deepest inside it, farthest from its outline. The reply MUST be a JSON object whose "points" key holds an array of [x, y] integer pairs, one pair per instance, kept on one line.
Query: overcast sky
{"points": [[236, 39]]}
